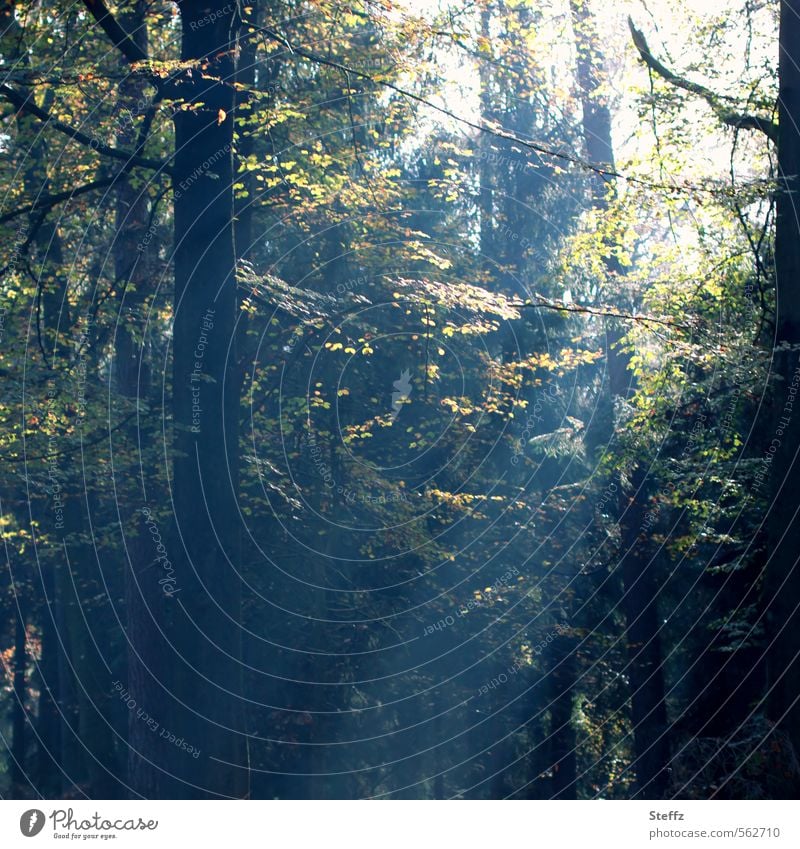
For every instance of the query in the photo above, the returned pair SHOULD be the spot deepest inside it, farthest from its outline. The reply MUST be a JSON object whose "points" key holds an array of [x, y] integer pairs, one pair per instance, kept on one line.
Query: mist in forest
{"points": [[398, 401]]}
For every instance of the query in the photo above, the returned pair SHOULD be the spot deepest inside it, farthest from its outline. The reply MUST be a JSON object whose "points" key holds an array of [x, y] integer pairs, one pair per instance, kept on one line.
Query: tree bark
{"points": [[782, 572], [205, 405], [147, 755]]}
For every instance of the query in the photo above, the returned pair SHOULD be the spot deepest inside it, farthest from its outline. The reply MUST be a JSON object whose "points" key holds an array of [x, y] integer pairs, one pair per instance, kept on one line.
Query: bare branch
{"points": [[610, 312]]}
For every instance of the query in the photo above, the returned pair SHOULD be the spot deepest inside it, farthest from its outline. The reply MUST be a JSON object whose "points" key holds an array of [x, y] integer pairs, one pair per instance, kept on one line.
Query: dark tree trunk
{"points": [[205, 404], [782, 574], [48, 721], [486, 193], [19, 715], [148, 753], [644, 667], [561, 675]]}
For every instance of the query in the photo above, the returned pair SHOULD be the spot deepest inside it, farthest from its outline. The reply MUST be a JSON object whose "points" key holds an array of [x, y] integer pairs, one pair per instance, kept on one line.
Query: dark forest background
{"points": [[398, 400]]}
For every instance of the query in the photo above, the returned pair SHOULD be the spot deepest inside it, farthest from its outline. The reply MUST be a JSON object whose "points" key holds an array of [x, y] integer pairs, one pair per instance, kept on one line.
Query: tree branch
{"points": [[26, 104], [727, 116], [112, 28], [486, 128], [546, 303], [27, 458], [51, 200]]}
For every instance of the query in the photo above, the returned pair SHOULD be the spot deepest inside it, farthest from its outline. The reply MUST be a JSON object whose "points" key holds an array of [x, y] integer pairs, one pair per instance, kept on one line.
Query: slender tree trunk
{"points": [[85, 738], [439, 734], [48, 722], [486, 194], [561, 675], [19, 714], [147, 754]]}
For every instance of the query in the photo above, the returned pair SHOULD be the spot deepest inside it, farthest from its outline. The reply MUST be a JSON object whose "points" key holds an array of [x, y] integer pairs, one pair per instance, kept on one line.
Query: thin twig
{"points": [[598, 311]]}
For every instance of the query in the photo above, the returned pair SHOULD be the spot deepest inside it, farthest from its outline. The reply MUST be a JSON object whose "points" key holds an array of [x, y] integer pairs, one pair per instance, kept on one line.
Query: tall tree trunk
{"points": [[782, 574], [645, 671], [561, 675], [19, 714], [48, 722], [648, 706], [145, 596], [205, 404]]}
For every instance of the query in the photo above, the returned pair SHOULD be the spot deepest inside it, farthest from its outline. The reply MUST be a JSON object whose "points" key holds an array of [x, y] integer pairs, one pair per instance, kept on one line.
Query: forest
{"points": [[399, 399]]}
